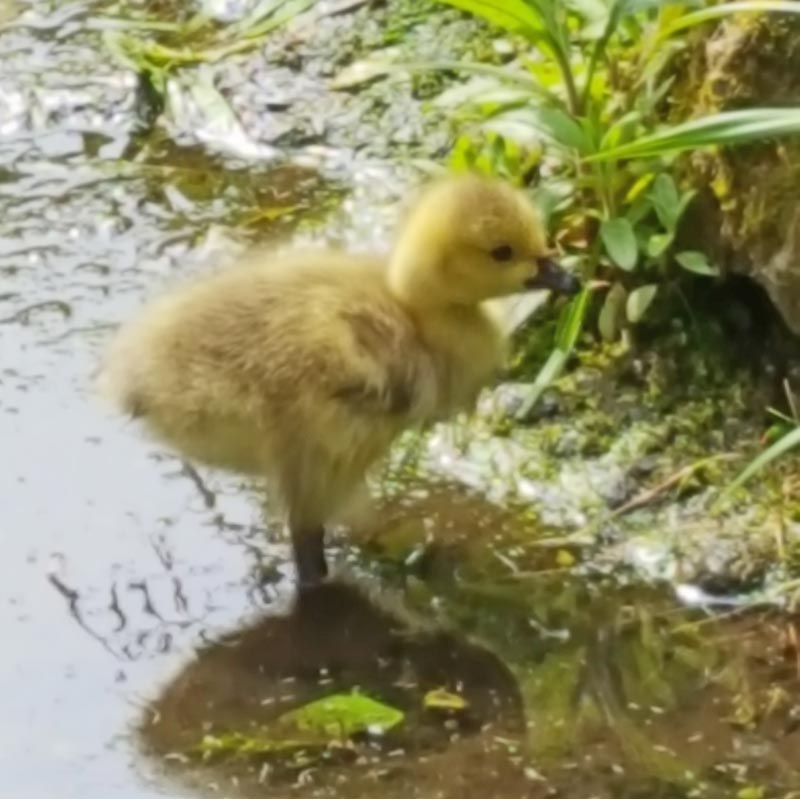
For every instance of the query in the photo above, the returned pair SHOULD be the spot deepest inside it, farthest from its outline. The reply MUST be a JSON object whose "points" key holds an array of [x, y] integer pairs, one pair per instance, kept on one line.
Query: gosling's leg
{"points": [[308, 545]]}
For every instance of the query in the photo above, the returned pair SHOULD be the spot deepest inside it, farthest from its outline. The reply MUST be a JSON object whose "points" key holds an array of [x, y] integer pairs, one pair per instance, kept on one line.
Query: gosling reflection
{"points": [[335, 640]]}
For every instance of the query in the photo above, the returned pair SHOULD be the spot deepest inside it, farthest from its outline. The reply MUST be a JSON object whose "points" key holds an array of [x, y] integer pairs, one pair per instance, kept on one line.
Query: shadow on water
{"points": [[571, 684]]}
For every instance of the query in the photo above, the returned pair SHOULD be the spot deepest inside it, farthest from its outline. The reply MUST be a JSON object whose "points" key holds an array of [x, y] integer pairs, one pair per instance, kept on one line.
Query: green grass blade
{"points": [[781, 446], [569, 328], [725, 10], [571, 324], [551, 370], [723, 129]]}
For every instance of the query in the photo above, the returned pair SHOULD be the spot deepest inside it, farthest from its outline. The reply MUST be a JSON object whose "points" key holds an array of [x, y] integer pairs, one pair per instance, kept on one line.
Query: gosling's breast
{"points": [[468, 351]]}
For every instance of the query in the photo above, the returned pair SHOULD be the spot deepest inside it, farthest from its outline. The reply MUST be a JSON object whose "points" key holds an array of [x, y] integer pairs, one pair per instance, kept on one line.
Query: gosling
{"points": [[303, 368]]}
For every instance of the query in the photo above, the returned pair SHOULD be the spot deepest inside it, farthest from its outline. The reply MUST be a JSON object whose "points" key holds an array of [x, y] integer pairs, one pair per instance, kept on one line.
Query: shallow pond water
{"points": [[143, 611], [611, 692]]}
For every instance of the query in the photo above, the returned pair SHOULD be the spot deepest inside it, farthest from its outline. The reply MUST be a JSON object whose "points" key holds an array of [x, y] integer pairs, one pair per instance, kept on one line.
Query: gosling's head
{"points": [[469, 239]]}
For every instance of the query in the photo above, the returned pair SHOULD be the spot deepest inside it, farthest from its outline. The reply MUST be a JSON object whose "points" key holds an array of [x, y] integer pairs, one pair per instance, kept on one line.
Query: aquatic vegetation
{"points": [[585, 111], [622, 692]]}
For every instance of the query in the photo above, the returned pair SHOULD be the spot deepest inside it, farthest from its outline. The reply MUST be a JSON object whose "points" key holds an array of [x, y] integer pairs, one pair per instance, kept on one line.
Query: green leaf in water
{"points": [[309, 728], [342, 716], [238, 744], [440, 699]]}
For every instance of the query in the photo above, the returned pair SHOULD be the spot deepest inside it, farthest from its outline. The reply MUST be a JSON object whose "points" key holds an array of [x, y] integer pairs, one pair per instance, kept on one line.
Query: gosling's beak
{"points": [[550, 275]]}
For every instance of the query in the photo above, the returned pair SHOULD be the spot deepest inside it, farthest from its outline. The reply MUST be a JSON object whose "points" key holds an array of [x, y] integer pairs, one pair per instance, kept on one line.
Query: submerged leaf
{"points": [[481, 91], [440, 699], [240, 744], [343, 715], [195, 103]]}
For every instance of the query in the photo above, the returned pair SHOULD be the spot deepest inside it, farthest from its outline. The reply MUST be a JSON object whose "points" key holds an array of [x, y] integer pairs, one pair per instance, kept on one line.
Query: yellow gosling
{"points": [[302, 368]]}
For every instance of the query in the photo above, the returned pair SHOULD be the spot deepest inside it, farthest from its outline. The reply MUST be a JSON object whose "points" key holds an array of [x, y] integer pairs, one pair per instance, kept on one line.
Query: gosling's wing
{"points": [[388, 371]]}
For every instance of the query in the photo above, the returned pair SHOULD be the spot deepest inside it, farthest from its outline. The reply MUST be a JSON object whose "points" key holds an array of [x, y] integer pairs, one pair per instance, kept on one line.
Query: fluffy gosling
{"points": [[302, 368]]}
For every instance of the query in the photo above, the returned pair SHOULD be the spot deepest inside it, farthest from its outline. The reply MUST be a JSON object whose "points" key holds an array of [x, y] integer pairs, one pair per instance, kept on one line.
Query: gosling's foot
{"points": [[309, 558]]}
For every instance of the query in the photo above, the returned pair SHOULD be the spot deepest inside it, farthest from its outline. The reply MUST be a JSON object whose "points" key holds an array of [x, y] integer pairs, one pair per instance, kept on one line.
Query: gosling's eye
{"points": [[502, 253]]}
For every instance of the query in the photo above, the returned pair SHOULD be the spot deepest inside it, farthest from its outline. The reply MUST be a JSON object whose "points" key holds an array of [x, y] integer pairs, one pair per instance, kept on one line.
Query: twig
{"points": [[652, 494]]}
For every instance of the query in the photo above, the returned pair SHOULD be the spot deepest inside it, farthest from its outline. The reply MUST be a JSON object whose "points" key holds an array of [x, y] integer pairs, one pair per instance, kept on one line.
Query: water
{"points": [[141, 610], [113, 567]]}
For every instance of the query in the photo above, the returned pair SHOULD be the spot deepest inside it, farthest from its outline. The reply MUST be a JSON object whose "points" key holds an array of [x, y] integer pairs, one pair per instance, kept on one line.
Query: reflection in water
{"points": [[613, 691], [335, 640]]}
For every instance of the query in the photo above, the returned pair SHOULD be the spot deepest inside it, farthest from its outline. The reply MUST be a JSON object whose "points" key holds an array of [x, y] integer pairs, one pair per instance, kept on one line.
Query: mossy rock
{"points": [[751, 193]]}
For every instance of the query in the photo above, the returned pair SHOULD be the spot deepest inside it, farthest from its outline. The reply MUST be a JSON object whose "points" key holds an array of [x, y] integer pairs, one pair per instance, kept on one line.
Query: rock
{"points": [[752, 193]]}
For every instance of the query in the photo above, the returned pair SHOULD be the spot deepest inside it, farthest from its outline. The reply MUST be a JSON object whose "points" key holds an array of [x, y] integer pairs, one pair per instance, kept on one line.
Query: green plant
{"points": [[585, 108]]}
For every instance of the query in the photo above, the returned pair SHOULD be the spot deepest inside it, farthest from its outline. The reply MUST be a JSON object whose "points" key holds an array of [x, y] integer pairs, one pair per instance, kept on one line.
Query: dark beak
{"points": [[554, 277]]}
